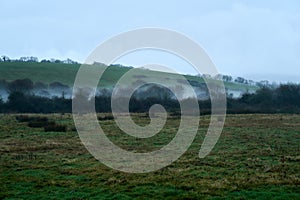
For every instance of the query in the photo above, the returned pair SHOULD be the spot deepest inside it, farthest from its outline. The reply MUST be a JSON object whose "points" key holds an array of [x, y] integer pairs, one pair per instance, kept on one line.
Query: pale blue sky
{"points": [[255, 39]]}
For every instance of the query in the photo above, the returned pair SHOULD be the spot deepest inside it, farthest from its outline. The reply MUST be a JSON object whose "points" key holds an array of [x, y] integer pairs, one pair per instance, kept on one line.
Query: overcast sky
{"points": [[255, 39]]}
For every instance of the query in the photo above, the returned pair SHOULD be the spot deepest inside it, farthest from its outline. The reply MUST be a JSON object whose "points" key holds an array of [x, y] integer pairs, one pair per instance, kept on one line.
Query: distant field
{"points": [[44, 72], [257, 157], [66, 73]]}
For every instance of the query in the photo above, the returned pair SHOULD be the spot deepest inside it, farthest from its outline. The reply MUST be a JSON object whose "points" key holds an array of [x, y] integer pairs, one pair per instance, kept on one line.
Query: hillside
{"points": [[66, 73]]}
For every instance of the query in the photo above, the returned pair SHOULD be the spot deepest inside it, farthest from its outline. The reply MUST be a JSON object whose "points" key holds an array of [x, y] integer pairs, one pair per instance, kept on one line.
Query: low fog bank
{"points": [[143, 91]]}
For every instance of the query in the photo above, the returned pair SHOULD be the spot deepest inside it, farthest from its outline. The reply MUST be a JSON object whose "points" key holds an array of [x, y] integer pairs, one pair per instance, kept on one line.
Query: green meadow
{"points": [[66, 73], [257, 157]]}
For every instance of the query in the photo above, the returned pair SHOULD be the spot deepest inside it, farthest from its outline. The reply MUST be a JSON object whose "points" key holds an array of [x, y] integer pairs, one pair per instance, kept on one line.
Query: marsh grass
{"points": [[257, 157]]}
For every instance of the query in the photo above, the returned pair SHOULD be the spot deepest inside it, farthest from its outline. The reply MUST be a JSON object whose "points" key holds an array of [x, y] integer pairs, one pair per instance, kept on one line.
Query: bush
{"points": [[39, 119], [73, 129], [35, 122], [22, 118], [55, 128], [175, 114], [39, 124], [105, 118], [26, 118]]}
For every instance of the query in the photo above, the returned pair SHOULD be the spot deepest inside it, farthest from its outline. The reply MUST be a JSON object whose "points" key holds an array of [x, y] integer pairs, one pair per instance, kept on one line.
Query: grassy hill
{"points": [[43, 72], [66, 73]]}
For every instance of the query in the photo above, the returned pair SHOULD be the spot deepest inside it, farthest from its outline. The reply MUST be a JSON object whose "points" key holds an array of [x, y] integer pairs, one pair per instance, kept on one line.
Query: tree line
{"points": [[283, 99], [35, 59]]}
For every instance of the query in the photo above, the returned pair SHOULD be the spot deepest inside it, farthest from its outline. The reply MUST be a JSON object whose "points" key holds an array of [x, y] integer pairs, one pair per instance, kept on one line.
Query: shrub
{"points": [[105, 118], [55, 128], [73, 129], [39, 119], [39, 124], [175, 114], [26, 118], [22, 118]]}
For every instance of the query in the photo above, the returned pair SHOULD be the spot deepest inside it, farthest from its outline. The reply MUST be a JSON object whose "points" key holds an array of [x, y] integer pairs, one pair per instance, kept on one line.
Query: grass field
{"points": [[66, 73], [257, 157]]}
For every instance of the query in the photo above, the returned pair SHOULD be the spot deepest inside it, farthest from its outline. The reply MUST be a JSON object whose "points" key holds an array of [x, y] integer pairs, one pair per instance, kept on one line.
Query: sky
{"points": [[254, 39]]}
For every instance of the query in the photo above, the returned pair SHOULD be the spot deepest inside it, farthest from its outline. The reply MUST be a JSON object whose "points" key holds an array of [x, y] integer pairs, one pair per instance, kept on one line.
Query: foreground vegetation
{"points": [[257, 156]]}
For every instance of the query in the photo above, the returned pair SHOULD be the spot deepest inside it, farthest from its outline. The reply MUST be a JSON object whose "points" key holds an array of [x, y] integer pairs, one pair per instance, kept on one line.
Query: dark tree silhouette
{"points": [[20, 85]]}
